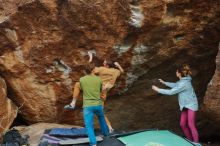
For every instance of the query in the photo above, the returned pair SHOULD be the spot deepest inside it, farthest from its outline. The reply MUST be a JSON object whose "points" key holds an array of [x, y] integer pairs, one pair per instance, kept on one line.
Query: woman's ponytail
{"points": [[185, 70]]}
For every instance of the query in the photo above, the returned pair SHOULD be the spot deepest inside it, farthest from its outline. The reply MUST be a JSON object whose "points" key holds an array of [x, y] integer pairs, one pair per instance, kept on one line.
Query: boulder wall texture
{"points": [[8, 110], [44, 45], [211, 101]]}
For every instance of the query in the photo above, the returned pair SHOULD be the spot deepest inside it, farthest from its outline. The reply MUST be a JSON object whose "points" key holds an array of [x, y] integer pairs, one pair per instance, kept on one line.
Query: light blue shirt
{"points": [[186, 94]]}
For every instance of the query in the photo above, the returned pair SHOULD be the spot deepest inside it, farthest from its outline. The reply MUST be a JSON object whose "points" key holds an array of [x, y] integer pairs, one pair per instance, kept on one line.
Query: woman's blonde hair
{"points": [[184, 70]]}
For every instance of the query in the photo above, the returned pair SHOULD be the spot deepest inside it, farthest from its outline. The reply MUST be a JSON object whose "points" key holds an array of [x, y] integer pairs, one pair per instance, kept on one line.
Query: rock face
{"points": [[8, 110], [211, 101], [44, 45]]}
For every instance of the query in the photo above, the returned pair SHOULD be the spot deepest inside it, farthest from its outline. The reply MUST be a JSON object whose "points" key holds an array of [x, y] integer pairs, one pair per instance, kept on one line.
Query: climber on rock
{"points": [[109, 72], [91, 86], [187, 101]]}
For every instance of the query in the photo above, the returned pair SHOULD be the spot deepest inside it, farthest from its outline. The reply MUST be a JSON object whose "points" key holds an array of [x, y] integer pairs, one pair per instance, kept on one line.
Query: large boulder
{"points": [[212, 98], [8, 110], [43, 49], [44, 45]]}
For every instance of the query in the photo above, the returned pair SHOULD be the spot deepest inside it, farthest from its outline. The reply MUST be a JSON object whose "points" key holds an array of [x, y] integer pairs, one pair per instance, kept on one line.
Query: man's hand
{"points": [[107, 86], [90, 56], [119, 67], [116, 64], [91, 53], [103, 96]]}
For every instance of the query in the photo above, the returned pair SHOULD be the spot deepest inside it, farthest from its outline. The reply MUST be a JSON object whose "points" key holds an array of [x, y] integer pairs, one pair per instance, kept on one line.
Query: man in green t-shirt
{"points": [[91, 86]]}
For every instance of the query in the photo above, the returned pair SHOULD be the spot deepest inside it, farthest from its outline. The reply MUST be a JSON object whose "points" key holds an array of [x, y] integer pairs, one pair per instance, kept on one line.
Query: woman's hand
{"points": [[162, 81], [155, 88]]}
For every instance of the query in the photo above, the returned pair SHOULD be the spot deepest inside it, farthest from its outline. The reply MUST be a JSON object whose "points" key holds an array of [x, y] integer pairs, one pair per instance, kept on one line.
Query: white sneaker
{"points": [[111, 130], [196, 144]]}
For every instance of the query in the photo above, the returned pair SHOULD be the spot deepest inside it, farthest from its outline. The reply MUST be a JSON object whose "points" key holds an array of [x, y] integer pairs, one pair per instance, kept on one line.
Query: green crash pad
{"points": [[154, 138]]}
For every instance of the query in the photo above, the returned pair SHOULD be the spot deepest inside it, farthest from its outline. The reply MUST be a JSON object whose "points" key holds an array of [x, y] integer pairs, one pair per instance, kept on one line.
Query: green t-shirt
{"points": [[91, 85]]}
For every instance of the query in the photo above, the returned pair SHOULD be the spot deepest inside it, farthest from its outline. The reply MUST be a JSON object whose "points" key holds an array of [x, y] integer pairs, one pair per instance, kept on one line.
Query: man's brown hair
{"points": [[89, 68]]}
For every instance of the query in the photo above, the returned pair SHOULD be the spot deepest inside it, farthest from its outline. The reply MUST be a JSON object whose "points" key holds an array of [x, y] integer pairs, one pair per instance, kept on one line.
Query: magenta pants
{"points": [[187, 123]]}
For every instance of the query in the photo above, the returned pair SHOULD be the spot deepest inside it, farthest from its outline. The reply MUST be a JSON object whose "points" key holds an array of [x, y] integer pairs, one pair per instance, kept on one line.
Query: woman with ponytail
{"points": [[187, 101]]}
